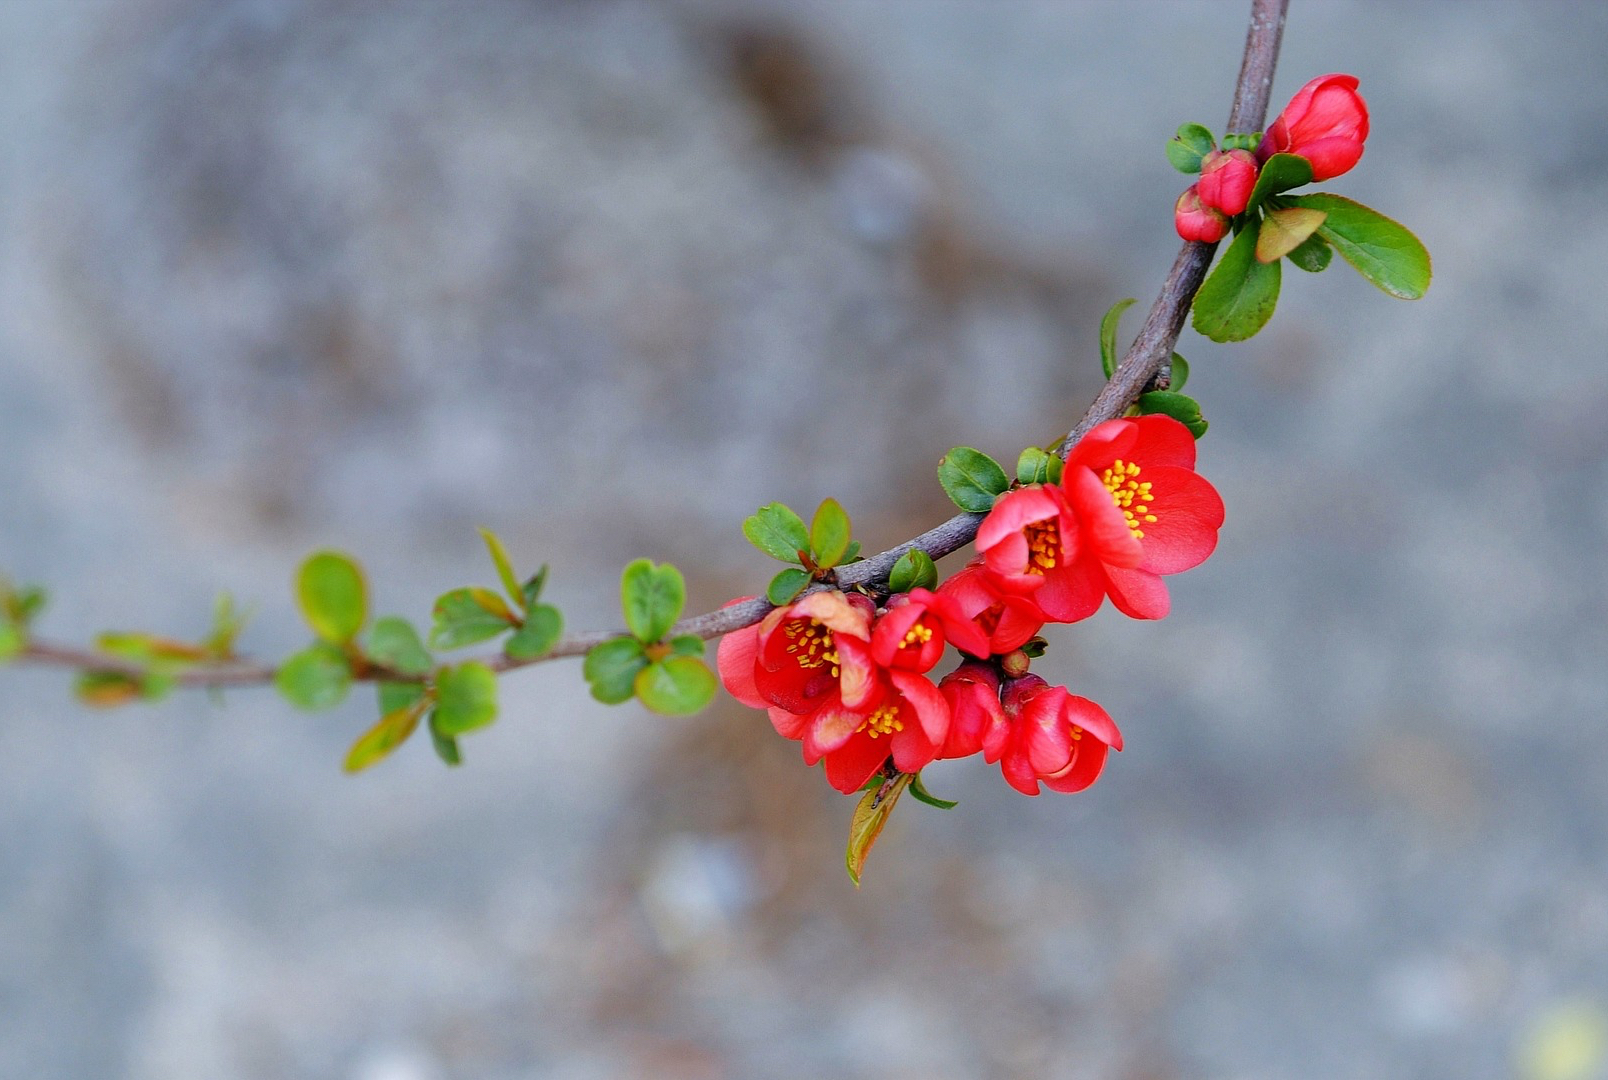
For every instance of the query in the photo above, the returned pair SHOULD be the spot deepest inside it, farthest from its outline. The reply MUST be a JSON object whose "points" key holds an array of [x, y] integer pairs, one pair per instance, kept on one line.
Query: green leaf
{"points": [[1382, 250], [543, 626], [398, 695], [505, 566], [687, 645], [1284, 230], [914, 570], [1244, 140], [869, 818], [446, 747], [1181, 407], [971, 478], [921, 794], [532, 591], [26, 603], [1186, 148], [316, 678], [11, 639], [395, 644], [786, 585], [391, 732], [466, 616], [332, 595], [108, 689], [1281, 172], [150, 649], [778, 532], [1038, 466], [466, 698], [851, 553], [829, 534], [1180, 373], [1108, 334], [227, 622], [1312, 256], [676, 685], [1239, 297], [652, 597], [612, 669]]}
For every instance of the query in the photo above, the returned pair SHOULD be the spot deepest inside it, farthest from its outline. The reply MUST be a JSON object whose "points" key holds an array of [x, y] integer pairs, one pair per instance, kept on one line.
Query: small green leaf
{"points": [[391, 732], [1186, 148], [652, 597], [971, 478], [1181, 407], [532, 591], [676, 685], [1180, 373], [778, 532], [1036, 465], [1281, 172], [869, 818], [1244, 140], [316, 678], [612, 669], [1239, 297], [1382, 250], [150, 649], [227, 622], [466, 698], [398, 695], [786, 585], [829, 534], [914, 570], [505, 566], [1108, 334], [1284, 230], [921, 794], [446, 747], [332, 595], [395, 644], [106, 689], [1312, 256], [852, 553], [1035, 646], [687, 645], [11, 639], [543, 626], [466, 616], [21, 604]]}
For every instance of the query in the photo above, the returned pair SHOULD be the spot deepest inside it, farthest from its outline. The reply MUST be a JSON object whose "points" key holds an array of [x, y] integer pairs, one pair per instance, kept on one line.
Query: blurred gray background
{"points": [[605, 277]]}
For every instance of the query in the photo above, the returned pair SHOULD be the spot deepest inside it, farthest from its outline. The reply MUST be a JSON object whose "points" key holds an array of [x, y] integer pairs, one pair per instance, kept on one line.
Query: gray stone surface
{"points": [[276, 276]]}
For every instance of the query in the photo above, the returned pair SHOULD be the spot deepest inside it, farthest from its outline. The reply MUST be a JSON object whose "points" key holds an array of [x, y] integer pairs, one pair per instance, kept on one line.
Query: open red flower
{"points": [[801, 654], [1005, 619], [1326, 122], [976, 718], [911, 633], [1142, 512], [1053, 737], [1030, 542], [904, 717]]}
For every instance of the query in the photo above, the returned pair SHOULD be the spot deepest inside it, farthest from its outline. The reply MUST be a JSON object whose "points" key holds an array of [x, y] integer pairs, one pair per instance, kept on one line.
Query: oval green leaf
{"points": [[919, 792], [1239, 297], [913, 570], [1284, 230], [869, 818], [611, 669], [398, 695], [1281, 172], [786, 585], [316, 678], [971, 478], [395, 644], [504, 565], [1179, 373], [543, 626], [378, 741], [1382, 250], [1181, 407], [332, 596], [466, 698], [1185, 149], [466, 616], [446, 747], [652, 597], [1038, 466], [1313, 255], [829, 534], [676, 685], [777, 531]]}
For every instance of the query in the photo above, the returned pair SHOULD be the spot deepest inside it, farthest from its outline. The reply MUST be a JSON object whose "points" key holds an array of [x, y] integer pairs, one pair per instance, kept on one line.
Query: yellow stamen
{"points": [[918, 635], [812, 645], [1131, 495], [1043, 545], [885, 721]]}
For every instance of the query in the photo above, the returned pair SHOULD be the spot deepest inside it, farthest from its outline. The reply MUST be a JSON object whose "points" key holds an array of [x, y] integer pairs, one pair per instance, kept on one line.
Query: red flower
{"points": [[1005, 619], [1142, 512], [976, 718], [1325, 122], [1226, 180], [1053, 737], [904, 717], [1196, 221], [1030, 542], [911, 633]]}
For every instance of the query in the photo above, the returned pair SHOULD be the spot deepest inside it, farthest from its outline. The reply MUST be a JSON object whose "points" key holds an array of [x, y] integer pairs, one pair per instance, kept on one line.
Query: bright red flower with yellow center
{"points": [[1142, 512], [905, 718], [1006, 620], [1052, 736], [911, 633], [1030, 542]]}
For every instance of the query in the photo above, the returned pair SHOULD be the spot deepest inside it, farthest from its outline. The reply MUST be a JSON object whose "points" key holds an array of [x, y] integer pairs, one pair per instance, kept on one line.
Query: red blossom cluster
{"points": [[851, 681]]}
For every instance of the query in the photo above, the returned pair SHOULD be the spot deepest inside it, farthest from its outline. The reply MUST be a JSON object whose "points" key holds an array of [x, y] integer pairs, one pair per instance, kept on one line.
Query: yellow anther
{"points": [[812, 645], [917, 635], [885, 721], [1132, 496], [1043, 545]]}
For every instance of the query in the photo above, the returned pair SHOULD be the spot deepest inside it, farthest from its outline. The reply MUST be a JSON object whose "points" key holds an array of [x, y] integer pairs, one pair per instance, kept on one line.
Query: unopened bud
{"points": [[1198, 222], [1227, 178]]}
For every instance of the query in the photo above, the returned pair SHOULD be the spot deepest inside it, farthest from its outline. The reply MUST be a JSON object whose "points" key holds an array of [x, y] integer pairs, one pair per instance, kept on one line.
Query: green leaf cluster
{"points": [[19, 605], [814, 551], [668, 676]]}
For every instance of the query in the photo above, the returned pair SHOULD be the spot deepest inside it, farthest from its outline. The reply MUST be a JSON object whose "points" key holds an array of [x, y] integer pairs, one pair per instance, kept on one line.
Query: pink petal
{"points": [[734, 658], [1104, 529]]}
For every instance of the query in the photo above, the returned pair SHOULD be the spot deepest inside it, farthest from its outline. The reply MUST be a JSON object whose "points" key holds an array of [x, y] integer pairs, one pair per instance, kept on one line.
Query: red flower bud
{"points": [[1226, 180], [1054, 737], [1325, 122], [1196, 221]]}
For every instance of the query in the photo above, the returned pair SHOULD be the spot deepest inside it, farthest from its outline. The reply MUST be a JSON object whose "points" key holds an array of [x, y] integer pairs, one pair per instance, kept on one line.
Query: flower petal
{"points": [[1094, 720], [848, 769], [1083, 770], [1103, 527], [830, 727], [734, 658], [1138, 594], [1188, 513], [1162, 441], [932, 711]]}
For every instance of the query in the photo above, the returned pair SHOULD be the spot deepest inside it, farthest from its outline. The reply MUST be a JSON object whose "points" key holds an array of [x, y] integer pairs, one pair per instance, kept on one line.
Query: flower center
{"points": [[917, 636], [1043, 545], [811, 644], [1131, 495], [885, 721]]}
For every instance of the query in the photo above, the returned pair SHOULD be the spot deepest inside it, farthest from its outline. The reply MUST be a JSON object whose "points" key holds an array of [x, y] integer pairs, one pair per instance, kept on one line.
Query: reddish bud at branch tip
{"points": [[1227, 178], [1196, 221]]}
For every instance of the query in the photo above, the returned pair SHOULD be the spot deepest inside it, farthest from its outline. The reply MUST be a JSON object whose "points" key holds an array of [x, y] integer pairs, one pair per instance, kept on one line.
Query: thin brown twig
{"points": [[1150, 349]]}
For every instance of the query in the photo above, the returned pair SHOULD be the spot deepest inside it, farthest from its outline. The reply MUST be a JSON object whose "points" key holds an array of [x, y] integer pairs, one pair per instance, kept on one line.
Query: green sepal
{"points": [[1034, 647], [829, 534], [378, 741], [1036, 465], [869, 818], [1284, 229], [611, 669], [395, 644], [446, 747], [914, 570], [1181, 407], [921, 794], [676, 685], [777, 531], [465, 698], [544, 625], [1242, 140], [1185, 149], [504, 565], [467, 616], [1312, 256], [786, 585], [971, 478], [1382, 250], [1238, 298], [1180, 373], [316, 678], [1281, 172], [332, 595], [687, 645], [1108, 334], [398, 695], [652, 598]]}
